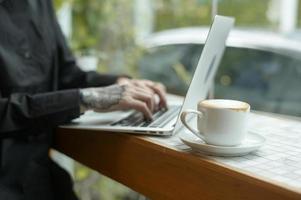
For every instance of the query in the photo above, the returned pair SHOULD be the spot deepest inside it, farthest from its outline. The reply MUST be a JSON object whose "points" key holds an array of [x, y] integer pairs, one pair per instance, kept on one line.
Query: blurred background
{"points": [[162, 40]]}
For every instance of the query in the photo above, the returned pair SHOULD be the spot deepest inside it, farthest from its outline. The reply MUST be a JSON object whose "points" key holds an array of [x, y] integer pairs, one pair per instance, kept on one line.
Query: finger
{"points": [[146, 91], [146, 86], [163, 89], [157, 88], [148, 99], [142, 95], [150, 92], [142, 107], [160, 91], [143, 86]]}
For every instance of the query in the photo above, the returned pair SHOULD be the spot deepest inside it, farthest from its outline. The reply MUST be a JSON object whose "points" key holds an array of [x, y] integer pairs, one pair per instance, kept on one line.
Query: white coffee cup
{"points": [[220, 122]]}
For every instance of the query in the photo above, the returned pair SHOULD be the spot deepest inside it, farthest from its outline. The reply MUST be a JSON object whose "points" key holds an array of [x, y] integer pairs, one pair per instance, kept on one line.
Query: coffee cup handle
{"points": [[184, 121]]}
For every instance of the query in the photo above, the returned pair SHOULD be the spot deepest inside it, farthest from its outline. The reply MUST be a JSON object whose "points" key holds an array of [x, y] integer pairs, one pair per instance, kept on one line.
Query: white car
{"points": [[259, 67]]}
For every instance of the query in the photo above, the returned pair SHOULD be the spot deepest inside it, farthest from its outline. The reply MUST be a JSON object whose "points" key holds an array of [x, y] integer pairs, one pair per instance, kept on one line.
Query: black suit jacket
{"points": [[39, 83]]}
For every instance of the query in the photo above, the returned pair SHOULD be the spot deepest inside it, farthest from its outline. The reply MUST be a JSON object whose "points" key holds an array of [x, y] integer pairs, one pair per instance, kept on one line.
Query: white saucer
{"points": [[251, 143]]}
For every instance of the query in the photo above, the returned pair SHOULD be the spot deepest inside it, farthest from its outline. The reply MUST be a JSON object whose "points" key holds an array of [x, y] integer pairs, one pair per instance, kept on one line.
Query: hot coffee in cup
{"points": [[220, 122]]}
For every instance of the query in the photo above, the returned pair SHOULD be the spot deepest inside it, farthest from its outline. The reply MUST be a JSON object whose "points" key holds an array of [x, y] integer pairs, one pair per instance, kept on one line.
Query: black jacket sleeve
{"points": [[27, 113], [23, 113]]}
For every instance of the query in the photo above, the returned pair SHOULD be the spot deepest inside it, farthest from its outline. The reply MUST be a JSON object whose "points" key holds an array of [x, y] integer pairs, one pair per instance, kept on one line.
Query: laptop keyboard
{"points": [[160, 118]]}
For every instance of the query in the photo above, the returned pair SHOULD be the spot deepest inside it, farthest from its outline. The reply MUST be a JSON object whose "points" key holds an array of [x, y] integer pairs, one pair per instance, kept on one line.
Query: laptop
{"points": [[167, 122]]}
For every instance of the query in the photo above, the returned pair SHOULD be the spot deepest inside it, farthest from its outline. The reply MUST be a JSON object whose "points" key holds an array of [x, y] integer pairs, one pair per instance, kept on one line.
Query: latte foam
{"points": [[225, 104]]}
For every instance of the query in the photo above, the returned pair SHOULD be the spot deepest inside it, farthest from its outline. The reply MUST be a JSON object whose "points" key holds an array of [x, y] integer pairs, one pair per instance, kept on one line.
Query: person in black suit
{"points": [[41, 87]]}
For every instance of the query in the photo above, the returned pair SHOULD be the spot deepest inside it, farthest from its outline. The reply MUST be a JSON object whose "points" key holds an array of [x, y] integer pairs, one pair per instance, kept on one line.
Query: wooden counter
{"points": [[163, 172]]}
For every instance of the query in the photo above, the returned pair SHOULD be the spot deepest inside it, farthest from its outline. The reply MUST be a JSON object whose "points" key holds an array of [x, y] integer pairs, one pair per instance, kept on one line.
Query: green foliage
{"points": [[91, 185], [246, 13], [107, 27], [57, 3], [299, 14], [179, 13]]}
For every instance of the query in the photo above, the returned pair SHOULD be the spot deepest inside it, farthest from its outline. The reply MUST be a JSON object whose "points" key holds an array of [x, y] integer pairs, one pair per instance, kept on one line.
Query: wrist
{"points": [[83, 105], [123, 79]]}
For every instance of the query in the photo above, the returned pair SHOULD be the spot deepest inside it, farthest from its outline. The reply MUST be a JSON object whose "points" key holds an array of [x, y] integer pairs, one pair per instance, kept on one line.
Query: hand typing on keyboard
{"points": [[150, 88], [126, 94]]}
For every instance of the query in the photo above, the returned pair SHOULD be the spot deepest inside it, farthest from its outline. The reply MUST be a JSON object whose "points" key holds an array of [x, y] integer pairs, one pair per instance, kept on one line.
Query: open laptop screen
{"points": [[208, 63]]}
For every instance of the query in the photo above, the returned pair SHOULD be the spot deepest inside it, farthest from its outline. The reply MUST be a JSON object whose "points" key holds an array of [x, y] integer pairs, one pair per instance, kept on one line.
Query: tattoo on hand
{"points": [[103, 98]]}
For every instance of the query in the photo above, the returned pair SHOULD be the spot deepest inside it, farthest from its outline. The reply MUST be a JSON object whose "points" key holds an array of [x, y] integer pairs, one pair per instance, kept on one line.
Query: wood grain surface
{"points": [[164, 173]]}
